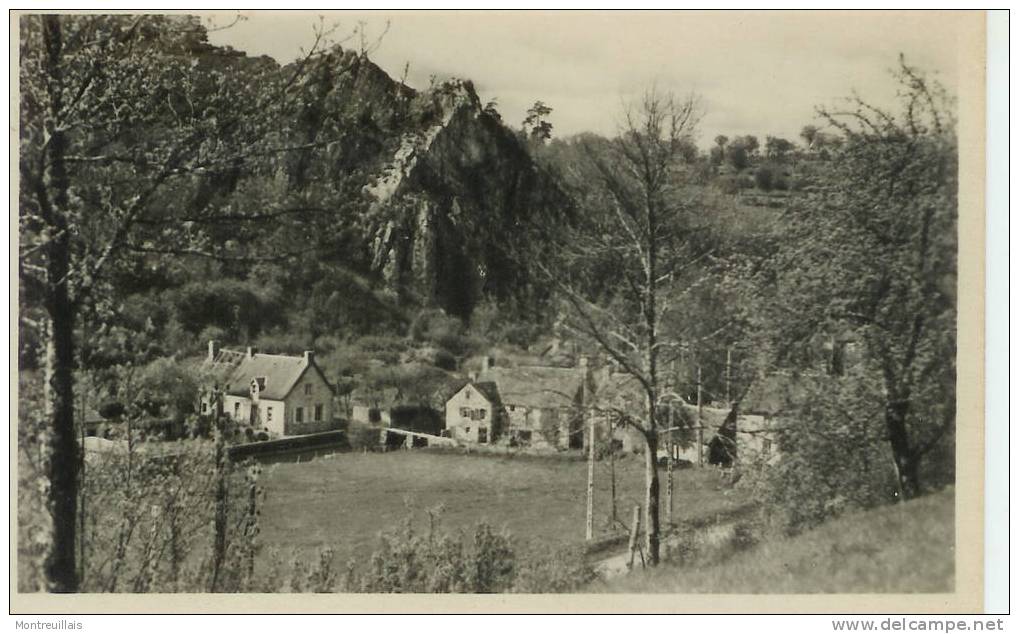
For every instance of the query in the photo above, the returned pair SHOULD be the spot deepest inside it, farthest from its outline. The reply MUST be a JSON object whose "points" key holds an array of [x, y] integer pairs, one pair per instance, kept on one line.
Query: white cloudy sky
{"points": [[756, 73]]}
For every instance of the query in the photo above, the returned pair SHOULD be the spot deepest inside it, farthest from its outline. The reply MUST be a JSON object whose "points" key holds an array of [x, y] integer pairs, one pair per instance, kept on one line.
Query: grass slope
{"points": [[903, 548], [344, 502]]}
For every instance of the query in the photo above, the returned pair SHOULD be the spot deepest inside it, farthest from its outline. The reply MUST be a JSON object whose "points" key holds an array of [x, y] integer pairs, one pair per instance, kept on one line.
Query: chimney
{"points": [[309, 356], [252, 352], [489, 362], [473, 376], [213, 350]]}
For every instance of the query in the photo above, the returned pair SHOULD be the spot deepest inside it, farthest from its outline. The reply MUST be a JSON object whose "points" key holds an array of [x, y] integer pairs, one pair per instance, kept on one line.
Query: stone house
{"points": [[532, 405], [282, 394], [473, 413]]}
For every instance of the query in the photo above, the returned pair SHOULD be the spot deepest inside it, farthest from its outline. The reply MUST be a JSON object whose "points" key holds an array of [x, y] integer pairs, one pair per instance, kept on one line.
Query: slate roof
{"points": [[235, 370], [541, 387]]}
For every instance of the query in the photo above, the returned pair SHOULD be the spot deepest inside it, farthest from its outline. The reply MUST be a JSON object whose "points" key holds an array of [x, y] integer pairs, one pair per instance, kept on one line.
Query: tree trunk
{"points": [[62, 465], [651, 501], [907, 463], [62, 449]]}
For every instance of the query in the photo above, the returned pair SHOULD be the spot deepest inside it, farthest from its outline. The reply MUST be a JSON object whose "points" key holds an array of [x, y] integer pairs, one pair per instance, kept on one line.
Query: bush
{"points": [[363, 436], [485, 562], [445, 360], [564, 570], [833, 455], [765, 178]]}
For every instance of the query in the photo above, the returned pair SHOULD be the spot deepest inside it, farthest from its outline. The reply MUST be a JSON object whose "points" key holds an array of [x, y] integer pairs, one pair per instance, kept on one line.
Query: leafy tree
{"points": [[738, 155], [809, 134], [536, 124], [750, 144], [776, 148], [872, 258]]}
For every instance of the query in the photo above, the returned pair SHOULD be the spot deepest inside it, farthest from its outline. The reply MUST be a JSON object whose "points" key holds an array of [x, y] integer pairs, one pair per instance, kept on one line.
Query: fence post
{"points": [[590, 482], [634, 531]]}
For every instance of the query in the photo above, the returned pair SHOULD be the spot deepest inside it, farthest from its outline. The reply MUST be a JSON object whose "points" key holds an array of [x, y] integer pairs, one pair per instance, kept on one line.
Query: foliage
{"points": [[833, 455], [536, 124], [483, 562], [871, 258]]}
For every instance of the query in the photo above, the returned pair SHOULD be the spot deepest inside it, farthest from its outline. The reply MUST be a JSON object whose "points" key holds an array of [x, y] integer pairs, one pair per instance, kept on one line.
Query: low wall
{"points": [[329, 439]]}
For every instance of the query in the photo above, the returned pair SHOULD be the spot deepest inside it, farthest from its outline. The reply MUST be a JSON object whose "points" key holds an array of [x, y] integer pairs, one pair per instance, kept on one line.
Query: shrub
{"points": [[764, 177], [408, 561], [563, 570], [445, 360], [833, 454], [361, 436]]}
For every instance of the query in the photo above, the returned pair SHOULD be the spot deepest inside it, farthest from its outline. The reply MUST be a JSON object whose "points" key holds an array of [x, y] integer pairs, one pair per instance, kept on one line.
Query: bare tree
{"points": [[618, 271]]}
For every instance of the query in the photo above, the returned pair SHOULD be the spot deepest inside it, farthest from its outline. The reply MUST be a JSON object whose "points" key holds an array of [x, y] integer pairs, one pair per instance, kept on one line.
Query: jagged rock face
{"points": [[448, 189], [460, 195]]}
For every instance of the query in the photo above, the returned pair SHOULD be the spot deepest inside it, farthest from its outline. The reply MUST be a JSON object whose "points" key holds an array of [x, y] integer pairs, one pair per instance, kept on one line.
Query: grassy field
{"points": [[903, 548], [345, 501]]}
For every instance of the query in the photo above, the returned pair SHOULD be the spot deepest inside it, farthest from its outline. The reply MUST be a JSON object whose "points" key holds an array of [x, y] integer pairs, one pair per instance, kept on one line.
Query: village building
{"points": [[282, 394], [531, 405], [373, 407], [473, 413]]}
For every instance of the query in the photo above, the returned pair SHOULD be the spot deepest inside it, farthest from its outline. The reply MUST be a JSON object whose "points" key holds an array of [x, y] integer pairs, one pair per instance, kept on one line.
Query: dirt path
{"points": [[713, 536]]}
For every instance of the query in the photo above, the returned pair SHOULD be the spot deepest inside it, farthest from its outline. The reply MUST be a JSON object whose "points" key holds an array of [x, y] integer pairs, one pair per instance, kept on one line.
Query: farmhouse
{"points": [[473, 413], [285, 395], [537, 406]]}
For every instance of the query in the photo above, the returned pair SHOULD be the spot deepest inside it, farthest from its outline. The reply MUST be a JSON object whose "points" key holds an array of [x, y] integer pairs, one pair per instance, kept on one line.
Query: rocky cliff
{"points": [[449, 190]]}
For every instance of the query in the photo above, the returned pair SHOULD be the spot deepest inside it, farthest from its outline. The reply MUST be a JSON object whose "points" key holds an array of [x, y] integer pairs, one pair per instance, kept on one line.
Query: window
{"points": [[465, 412], [481, 414], [299, 415], [467, 394], [513, 408], [767, 445], [205, 407], [318, 412], [268, 414], [307, 388], [237, 410], [482, 434], [374, 415]]}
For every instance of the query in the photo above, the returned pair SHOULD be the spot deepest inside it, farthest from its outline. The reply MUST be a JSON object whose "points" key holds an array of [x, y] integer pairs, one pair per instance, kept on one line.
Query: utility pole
{"points": [[728, 375], [700, 421], [612, 471], [668, 480], [590, 479]]}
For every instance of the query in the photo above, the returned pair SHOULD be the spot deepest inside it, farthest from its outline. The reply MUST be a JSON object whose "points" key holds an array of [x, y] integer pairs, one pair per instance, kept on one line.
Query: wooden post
{"points": [[700, 421], [612, 472], [634, 531], [728, 375], [590, 480], [668, 482]]}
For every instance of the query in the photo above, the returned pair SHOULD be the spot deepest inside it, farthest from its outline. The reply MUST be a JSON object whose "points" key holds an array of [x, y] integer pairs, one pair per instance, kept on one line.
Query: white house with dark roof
{"points": [[285, 395], [472, 413]]}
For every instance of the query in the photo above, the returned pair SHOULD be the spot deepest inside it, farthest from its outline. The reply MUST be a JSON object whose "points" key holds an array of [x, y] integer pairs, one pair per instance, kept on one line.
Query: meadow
{"points": [[345, 501], [902, 548]]}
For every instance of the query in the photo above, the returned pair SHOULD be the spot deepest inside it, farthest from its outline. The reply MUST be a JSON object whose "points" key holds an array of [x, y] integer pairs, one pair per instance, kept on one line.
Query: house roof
{"points": [[540, 387], [235, 370]]}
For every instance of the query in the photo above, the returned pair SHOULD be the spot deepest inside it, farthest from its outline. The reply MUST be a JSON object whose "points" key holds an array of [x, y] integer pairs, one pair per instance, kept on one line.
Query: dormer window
{"points": [[257, 384]]}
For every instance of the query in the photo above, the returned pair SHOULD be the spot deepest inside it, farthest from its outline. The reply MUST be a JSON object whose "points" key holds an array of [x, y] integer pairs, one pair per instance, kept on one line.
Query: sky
{"points": [[758, 73]]}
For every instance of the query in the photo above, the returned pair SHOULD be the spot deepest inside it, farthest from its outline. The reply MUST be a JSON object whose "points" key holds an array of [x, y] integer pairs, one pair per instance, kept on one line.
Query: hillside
{"points": [[907, 547]]}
